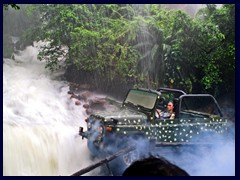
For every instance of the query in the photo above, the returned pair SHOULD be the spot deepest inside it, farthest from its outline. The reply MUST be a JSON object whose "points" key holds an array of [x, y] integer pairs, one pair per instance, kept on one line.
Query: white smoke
{"points": [[203, 160], [196, 160]]}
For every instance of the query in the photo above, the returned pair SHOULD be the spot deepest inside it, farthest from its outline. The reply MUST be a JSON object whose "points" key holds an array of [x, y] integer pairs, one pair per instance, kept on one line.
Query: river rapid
{"points": [[40, 121]]}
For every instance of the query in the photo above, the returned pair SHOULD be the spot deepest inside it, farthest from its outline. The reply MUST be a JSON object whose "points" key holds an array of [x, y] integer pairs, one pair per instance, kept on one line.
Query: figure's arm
{"points": [[172, 116], [158, 113]]}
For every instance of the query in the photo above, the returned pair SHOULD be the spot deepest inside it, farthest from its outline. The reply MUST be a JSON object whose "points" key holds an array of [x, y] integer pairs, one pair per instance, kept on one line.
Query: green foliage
{"points": [[14, 6], [91, 46], [147, 44], [218, 48]]}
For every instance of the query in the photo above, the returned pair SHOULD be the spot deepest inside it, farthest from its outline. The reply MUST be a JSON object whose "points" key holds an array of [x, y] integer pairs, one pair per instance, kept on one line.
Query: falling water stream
{"points": [[40, 121]]}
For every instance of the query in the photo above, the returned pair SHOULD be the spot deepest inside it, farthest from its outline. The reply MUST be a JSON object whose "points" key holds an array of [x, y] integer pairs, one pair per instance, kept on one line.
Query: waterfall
{"points": [[40, 121]]}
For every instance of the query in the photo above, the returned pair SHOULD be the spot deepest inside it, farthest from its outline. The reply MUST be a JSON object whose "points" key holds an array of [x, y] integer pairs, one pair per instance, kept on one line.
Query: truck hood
{"points": [[124, 116]]}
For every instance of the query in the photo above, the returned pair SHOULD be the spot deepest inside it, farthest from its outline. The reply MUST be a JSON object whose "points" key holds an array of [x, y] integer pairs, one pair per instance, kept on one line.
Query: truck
{"points": [[198, 121]]}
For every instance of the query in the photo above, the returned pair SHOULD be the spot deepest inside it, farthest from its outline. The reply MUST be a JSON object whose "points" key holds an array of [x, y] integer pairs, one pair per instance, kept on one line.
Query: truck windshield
{"points": [[141, 98]]}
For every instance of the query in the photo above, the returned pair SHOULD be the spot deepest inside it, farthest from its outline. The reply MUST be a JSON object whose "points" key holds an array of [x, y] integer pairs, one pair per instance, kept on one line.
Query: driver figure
{"points": [[169, 114]]}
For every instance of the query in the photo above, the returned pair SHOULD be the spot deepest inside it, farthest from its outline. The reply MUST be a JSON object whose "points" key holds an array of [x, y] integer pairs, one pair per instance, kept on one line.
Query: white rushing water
{"points": [[40, 121]]}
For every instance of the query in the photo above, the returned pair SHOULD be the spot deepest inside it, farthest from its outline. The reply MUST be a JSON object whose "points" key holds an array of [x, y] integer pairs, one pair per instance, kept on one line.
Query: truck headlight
{"points": [[89, 125], [100, 129]]}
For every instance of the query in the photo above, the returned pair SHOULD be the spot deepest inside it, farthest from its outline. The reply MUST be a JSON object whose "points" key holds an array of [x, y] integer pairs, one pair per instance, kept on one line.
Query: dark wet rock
{"points": [[77, 103], [91, 103], [74, 96], [70, 92], [84, 95], [86, 106], [89, 111], [97, 103]]}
